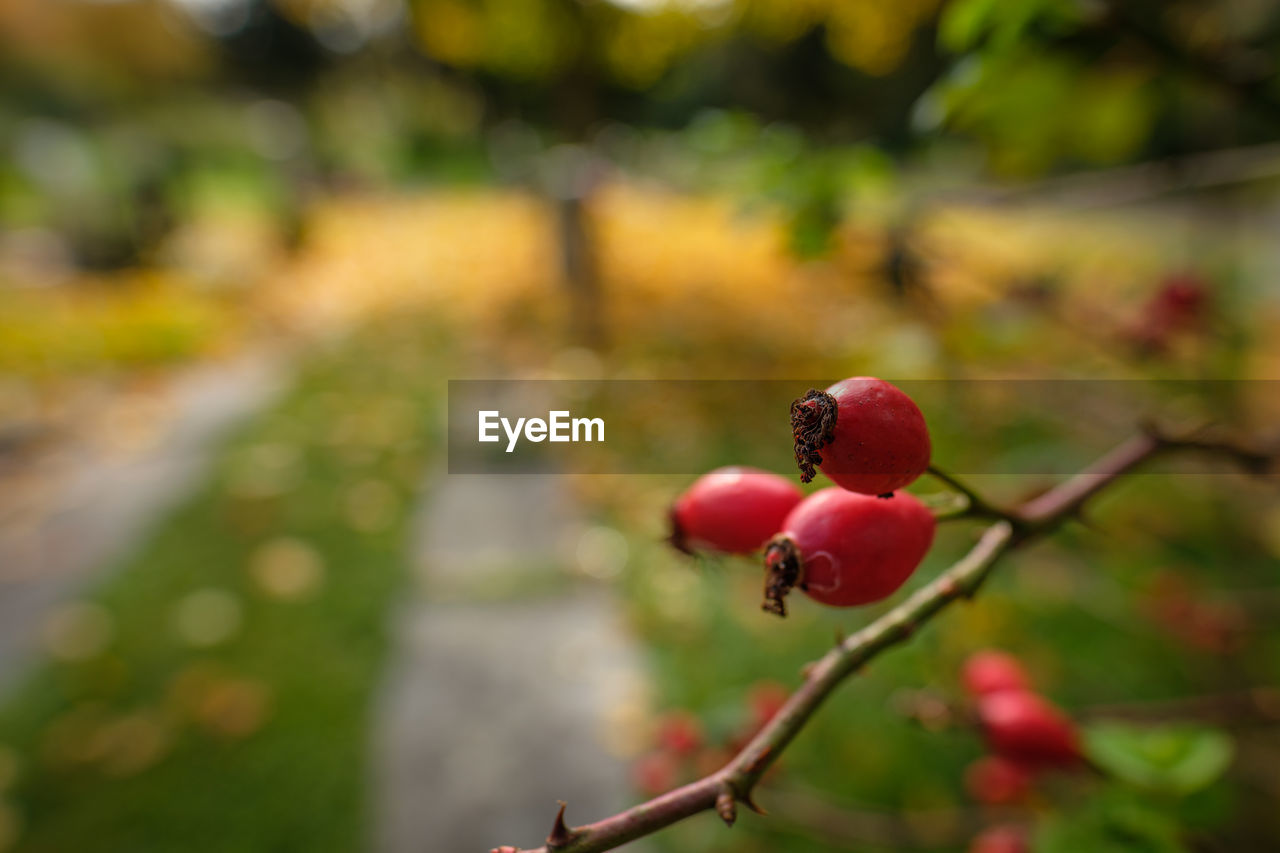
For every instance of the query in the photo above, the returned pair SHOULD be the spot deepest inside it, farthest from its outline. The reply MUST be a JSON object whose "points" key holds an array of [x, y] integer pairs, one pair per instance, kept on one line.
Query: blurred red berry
{"points": [[765, 698], [734, 510], [1026, 727], [863, 433], [1169, 599], [1000, 839], [679, 733], [1217, 627], [991, 670], [843, 548], [997, 781], [1180, 302], [1214, 626], [1178, 307], [655, 773]]}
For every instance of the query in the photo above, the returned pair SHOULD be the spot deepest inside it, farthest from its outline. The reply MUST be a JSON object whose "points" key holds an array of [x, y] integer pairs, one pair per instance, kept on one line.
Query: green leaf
{"points": [[1169, 759], [1111, 822], [964, 22]]}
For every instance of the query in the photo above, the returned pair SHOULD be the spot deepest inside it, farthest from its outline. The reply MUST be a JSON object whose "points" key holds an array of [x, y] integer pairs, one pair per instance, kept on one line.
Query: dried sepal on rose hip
{"points": [[865, 434], [843, 548], [734, 510]]}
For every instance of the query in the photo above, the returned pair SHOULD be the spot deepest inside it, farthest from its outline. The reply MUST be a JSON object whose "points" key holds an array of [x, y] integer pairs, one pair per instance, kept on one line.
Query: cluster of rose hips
{"points": [[1027, 734], [854, 543]]}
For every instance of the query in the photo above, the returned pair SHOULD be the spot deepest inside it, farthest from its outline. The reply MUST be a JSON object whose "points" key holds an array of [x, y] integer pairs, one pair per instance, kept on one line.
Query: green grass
{"points": [[247, 730]]}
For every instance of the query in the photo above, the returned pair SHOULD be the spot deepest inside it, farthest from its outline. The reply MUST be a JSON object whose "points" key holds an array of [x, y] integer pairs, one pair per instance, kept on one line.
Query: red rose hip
{"points": [[865, 434], [734, 510], [843, 548], [990, 671], [1025, 727]]}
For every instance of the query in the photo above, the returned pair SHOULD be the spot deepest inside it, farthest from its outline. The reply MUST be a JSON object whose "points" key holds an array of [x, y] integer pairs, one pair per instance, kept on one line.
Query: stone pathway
{"points": [[76, 508], [496, 709]]}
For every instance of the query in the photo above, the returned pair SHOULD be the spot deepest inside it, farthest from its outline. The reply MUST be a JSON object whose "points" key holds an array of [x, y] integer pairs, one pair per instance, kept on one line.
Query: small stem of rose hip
{"points": [[813, 425], [781, 573], [975, 507]]}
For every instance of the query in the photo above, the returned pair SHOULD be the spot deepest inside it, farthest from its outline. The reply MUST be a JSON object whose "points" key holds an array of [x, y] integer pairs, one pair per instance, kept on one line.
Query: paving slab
{"points": [[495, 709]]}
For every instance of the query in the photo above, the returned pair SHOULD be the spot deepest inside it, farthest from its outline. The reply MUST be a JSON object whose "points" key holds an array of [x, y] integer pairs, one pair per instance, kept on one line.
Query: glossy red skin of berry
{"points": [[734, 510], [1000, 839], [1025, 727], [998, 781], [880, 443], [856, 549], [990, 671]]}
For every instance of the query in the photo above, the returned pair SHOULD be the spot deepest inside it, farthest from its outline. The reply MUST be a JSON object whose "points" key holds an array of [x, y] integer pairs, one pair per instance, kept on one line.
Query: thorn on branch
{"points": [[561, 834]]}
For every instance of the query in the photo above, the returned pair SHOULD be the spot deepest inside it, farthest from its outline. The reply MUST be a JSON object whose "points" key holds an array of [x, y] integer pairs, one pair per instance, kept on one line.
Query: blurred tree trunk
{"points": [[575, 175], [581, 271]]}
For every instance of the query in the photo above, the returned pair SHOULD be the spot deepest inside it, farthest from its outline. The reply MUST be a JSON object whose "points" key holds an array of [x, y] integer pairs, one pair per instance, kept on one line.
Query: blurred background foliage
{"points": [[396, 193]]}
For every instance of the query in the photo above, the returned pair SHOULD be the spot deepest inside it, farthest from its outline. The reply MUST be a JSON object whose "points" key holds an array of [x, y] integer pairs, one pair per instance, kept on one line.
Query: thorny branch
{"points": [[732, 784]]}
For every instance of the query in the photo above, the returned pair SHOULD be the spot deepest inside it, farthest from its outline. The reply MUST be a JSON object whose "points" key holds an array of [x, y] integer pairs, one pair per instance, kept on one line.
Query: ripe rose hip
{"points": [[843, 548], [997, 781], [1000, 839], [990, 671], [865, 434], [734, 510], [1026, 727]]}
